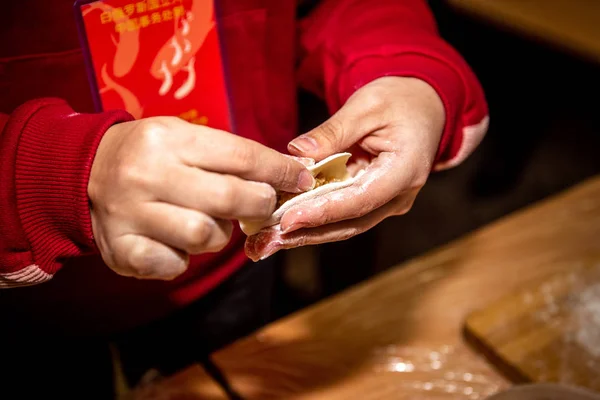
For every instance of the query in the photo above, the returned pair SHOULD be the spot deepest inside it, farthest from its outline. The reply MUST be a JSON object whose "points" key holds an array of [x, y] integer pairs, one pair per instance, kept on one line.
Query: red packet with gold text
{"points": [[156, 57]]}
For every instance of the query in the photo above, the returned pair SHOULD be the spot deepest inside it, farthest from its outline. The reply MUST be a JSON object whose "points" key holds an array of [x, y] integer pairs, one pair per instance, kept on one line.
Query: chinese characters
{"points": [[142, 14]]}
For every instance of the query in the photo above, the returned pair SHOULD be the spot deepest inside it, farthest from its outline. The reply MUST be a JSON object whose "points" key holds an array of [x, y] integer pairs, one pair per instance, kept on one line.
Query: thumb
{"points": [[335, 135]]}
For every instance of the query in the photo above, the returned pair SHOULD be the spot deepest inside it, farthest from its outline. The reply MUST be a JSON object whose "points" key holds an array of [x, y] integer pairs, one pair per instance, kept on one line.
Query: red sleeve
{"points": [[46, 153], [348, 43]]}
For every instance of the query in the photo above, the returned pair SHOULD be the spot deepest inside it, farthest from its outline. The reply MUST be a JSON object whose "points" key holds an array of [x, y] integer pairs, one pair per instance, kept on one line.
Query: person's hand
{"points": [[162, 189], [397, 122]]}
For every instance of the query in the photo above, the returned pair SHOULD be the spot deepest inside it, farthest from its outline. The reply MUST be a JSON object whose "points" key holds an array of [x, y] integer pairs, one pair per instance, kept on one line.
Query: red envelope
{"points": [[156, 57]]}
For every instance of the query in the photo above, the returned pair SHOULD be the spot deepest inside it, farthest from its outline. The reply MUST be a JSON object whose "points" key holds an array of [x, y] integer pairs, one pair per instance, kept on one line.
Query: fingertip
{"points": [[268, 195], [293, 177], [306, 181]]}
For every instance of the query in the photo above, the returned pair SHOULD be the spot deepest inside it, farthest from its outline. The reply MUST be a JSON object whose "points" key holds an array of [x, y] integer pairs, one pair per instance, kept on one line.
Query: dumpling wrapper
{"points": [[331, 168]]}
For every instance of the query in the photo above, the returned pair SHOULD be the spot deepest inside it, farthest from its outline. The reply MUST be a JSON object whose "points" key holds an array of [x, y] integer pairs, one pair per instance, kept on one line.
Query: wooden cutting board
{"points": [[548, 331]]}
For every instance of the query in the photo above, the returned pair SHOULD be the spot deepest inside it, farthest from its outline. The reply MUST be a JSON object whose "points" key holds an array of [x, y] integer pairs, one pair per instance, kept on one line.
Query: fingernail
{"points": [[270, 251], [292, 221], [306, 181], [304, 144], [291, 228]]}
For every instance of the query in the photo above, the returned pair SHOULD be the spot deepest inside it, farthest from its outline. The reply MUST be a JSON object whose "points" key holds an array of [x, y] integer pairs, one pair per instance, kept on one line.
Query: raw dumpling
{"points": [[330, 174]]}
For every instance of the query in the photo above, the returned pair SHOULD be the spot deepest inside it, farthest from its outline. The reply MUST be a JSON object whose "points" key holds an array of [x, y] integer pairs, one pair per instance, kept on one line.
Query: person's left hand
{"points": [[398, 123]]}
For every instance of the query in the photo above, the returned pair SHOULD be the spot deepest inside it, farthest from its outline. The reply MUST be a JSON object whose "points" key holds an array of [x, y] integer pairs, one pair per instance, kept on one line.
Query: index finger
{"points": [[225, 153], [377, 186]]}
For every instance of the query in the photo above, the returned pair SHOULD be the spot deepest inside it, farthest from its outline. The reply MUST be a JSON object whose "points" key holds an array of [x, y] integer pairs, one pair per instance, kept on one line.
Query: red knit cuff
{"points": [[54, 157], [446, 82]]}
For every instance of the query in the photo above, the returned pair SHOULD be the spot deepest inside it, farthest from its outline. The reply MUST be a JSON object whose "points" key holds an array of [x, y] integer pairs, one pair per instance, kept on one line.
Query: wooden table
{"points": [[193, 383], [400, 335], [571, 24]]}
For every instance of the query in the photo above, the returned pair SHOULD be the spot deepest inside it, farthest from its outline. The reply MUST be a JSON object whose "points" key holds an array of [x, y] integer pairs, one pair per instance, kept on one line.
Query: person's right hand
{"points": [[162, 189]]}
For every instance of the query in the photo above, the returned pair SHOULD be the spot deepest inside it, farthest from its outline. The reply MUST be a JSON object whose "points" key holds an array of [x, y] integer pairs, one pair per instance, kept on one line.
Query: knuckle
{"points": [[225, 196], [418, 182], [131, 174], [263, 199], [269, 199], [404, 205], [331, 132], [173, 270], [127, 172], [327, 218], [111, 259], [222, 239], [138, 260], [112, 207], [372, 99], [402, 210], [244, 157], [198, 232], [287, 176], [151, 138], [152, 130]]}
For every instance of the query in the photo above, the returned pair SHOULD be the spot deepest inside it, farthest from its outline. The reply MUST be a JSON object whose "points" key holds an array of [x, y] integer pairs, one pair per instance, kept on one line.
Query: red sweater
{"points": [[49, 136]]}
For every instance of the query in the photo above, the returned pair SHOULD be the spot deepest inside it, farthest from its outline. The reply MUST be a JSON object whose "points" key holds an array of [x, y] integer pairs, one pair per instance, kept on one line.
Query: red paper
{"points": [[157, 57]]}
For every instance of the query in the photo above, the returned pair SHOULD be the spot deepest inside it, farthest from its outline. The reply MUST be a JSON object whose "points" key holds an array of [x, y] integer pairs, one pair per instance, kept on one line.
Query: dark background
{"points": [[544, 137]]}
